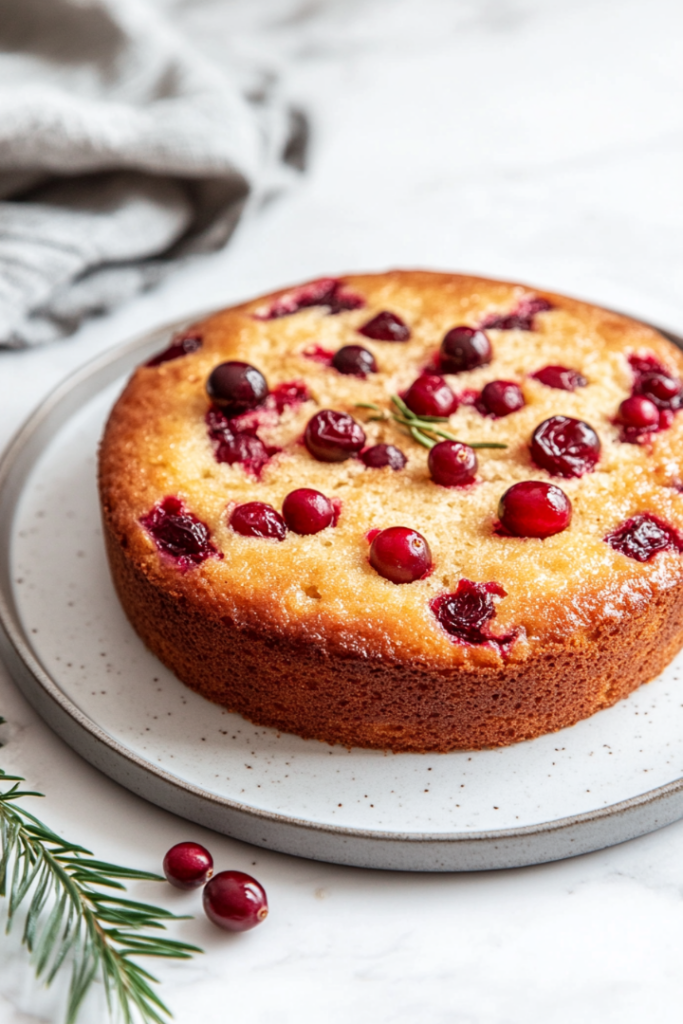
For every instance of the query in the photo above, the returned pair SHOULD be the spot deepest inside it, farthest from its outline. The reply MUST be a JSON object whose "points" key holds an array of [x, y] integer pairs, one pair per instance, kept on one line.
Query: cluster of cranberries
{"points": [[232, 899], [655, 397], [304, 511]]}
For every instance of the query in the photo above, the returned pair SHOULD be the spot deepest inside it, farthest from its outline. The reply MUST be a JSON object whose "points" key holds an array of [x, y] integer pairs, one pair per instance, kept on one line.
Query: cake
{"points": [[410, 511]]}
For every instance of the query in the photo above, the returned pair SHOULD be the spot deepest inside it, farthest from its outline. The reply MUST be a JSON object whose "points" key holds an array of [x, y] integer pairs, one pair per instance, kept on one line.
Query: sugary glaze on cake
{"points": [[568, 596]]}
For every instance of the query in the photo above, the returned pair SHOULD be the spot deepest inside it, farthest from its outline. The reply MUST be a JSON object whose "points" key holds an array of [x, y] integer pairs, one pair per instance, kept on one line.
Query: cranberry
{"points": [[381, 455], [464, 348], [318, 354], [328, 291], [535, 509], [522, 319], [565, 447], [643, 537], [354, 360], [639, 412], [178, 533], [560, 377], [307, 511], [385, 327], [257, 519], [430, 395], [291, 393], [188, 865], [236, 387], [235, 901], [180, 347], [400, 555], [333, 436], [466, 614], [501, 397], [452, 464], [241, 448], [662, 390]]}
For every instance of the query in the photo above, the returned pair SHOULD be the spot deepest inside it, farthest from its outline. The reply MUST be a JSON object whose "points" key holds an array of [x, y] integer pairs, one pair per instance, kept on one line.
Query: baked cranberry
{"points": [[663, 391], [291, 393], [381, 455], [241, 448], [188, 865], [501, 397], [257, 519], [561, 377], [565, 447], [644, 536], [332, 436], [535, 509], [318, 354], [522, 319], [354, 360], [400, 555], [236, 387], [385, 327], [307, 511], [466, 614], [464, 348], [235, 901], [452, 464], [180, 347], [328, 291], [639, 412], [177, 532], [430, 395]]}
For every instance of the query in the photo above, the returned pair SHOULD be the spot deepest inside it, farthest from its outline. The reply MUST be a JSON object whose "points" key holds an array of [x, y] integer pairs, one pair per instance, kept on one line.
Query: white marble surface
{"points": [[534, 139]]}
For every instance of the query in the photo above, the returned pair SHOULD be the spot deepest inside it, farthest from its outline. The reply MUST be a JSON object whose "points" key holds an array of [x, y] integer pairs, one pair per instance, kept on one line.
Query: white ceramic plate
{"points": [[615, 776]]}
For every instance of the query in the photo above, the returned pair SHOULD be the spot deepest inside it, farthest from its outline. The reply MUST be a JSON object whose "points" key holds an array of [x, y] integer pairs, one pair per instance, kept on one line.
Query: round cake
{"points": [[411, 511]]}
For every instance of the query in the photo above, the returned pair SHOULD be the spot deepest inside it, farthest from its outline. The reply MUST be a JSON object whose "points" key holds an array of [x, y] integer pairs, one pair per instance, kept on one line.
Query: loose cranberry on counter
{"points": [[430, 395], [236, 387], [235, 901], [466, 614], [188, 865], [400, 555], [381, 455], [639, 412], [385, 327], [452, 464], [535, 509], [332, 436], [177, 532], [501, 397], [464, 348], [354, 360], [180, 347], [664, 391], [565, 447], [561, 377], [258, 519], [306, 511], [643, 537]]}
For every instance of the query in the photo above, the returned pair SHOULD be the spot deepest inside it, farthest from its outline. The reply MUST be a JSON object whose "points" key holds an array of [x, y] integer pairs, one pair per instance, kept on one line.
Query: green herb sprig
{"points": [[69, 918], [422, 429]]}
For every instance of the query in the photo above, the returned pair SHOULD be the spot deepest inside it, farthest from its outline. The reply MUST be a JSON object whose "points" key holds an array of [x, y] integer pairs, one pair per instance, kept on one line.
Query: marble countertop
{"points": [[538, 140]]}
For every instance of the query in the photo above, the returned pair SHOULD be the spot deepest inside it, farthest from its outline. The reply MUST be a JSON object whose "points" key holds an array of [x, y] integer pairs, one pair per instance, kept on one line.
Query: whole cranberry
{"points": [[241, 447], [183, 346], [385, 327], [354, 360], [400, 555], [501, 397], [565, 447], [257, 519], [664, 391], [535, 509], [465, 348], [560, 377], [332, 436], [381, 455], [188, 865], [235, 901], [639, 412], [452, 464], [236, 387], [307, 511], [430, 395]]}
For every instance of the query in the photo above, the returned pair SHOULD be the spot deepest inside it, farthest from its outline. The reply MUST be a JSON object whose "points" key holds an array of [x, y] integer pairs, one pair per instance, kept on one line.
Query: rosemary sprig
{"points": [[423, 429], [69, 916]]}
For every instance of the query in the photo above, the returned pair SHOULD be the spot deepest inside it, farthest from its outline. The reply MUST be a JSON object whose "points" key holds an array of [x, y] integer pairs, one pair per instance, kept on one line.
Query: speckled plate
{"points": [[73, 654]]}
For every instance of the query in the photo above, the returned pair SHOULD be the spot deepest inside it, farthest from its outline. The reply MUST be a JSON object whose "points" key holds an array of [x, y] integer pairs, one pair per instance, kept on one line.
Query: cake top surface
{"points": [[163, 441]]}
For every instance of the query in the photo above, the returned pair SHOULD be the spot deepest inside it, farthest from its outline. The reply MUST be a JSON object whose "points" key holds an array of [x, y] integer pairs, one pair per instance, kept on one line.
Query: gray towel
{"points": [[123, 149]]}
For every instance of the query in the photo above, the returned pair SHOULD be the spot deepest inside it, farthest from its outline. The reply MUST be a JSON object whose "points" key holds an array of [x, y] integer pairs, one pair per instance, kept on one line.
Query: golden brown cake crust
{"points": [[304, 635]]}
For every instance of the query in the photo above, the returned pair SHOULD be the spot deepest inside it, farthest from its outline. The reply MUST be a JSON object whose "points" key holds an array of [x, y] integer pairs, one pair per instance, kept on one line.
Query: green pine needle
{"points": [[69, 917]]}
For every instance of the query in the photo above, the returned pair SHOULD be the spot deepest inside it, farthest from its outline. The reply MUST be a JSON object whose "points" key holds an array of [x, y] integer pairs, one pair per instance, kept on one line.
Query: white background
{"points": [[539, 140]]}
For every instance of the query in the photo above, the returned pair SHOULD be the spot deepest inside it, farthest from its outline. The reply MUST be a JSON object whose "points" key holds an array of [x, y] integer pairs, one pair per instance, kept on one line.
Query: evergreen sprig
{"points": [[426, 430], [69, 918]]}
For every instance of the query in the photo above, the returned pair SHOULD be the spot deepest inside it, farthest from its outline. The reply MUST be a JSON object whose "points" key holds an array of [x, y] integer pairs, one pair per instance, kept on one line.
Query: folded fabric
{"points": [[123, 149]]}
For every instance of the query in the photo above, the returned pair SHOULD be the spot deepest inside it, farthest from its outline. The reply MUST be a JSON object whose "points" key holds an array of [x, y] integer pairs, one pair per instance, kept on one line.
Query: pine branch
{"points": [[69, 917], [426, 430]]}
